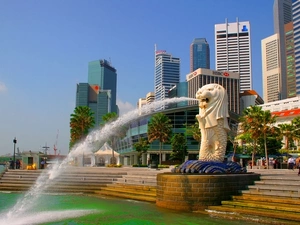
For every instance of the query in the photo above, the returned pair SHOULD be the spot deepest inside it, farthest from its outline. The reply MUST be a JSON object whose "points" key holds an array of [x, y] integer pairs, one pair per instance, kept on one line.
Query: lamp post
{"points": [[14, 156]]}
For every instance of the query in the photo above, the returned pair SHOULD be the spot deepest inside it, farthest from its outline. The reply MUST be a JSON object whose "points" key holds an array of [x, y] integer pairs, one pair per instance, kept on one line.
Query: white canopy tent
{"points": [[104, 154]]}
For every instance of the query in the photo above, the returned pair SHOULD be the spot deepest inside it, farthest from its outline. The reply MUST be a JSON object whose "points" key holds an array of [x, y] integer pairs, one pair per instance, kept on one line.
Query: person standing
{"points": [[43, 164]]}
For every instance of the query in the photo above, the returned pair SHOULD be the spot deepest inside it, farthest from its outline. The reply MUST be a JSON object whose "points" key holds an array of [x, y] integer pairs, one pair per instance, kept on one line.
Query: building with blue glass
{"points": [[100, 92], [167, 74], [296, 24], [199, 54]]}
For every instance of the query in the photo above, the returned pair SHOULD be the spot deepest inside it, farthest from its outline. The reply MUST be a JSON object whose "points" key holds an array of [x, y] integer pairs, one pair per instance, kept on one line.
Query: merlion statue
{"points": [[213, 123]]}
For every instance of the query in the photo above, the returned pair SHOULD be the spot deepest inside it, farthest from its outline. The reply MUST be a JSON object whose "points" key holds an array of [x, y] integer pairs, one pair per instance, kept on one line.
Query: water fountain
{"points": [[29, 201], [37, 207]]}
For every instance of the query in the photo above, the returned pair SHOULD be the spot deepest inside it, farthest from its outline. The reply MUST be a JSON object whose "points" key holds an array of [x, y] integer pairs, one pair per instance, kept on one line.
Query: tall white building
{"points": [[167, 74], [233, 50], [271, 71], [282, 12]]}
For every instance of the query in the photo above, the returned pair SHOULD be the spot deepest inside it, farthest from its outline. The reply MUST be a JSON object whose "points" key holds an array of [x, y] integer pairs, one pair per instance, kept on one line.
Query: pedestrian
{"points": [[291, 162], [11, 164], [18, 163], [43, 164]]}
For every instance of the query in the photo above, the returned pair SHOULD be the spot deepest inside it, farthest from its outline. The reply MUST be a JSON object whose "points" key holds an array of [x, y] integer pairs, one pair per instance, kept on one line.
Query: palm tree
{"points": [[251, 123], [159, 128], [232, 138], [194, 130], [179, 146], [267, 127], [82, 119], [258, 123], [141, 147], [287, 132]]}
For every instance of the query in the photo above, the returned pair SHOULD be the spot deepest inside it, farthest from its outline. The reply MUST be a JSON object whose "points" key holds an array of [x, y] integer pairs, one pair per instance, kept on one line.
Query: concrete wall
{"points": [[191, 192]]}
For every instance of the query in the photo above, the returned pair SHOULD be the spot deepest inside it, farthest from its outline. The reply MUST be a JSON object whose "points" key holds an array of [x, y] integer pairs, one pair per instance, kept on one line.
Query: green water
{"points": [[89, 210]]}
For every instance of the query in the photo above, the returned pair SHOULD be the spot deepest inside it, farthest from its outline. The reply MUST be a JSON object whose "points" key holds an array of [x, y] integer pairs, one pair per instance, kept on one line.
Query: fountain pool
{"points": [[90, 210]]}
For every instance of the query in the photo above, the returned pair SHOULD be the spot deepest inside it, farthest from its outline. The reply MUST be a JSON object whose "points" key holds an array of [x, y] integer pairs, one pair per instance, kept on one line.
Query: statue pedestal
{"points": [[192, 192]]}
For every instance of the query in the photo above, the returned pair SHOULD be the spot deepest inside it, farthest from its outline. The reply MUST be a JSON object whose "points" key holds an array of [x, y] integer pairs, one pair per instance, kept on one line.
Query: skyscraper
{"points": [[296, 23], [290, 60], [199, 54], [271, 72], [100, 92], [233, 50], [100, 72], [167, 74], [282, 12]]}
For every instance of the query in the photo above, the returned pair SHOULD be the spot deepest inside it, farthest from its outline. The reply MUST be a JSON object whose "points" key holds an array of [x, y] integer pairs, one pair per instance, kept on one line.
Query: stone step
{"points": [[133, 187], [136, 191], [136, 181], [141, 193], [262, 198], [262, 205], [261, 216], [264, 187], [272, 193], [127, 196]]}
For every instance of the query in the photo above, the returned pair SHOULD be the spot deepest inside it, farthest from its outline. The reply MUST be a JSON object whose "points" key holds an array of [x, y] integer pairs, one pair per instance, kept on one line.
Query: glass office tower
{"points": [[296, 24], [199, 54], [100, 72], [101, 90]]}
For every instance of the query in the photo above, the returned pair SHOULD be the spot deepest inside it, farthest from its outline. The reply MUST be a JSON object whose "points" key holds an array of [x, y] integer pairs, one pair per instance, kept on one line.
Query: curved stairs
{"points": [[275, 199], [131, 184]]}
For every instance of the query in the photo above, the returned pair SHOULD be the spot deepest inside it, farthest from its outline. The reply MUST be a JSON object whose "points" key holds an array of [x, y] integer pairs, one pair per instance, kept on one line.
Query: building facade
{"points": [[199, 54], [248, 98], [99, 93], [271, 72], [296, 25], [229, 80], [98, 101], [103, 74], [290, 60], [167, 74], [233, 50], [282, 12]]}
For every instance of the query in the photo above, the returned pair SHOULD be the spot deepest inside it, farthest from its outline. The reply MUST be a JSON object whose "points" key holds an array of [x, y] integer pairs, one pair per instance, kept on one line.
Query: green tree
{"points": [[194, 131], [159, 128], [179, 146], [257, 123], [267, 127], [287, 131], [231, 137], [82, 119], [109, 117], [141, 147]]}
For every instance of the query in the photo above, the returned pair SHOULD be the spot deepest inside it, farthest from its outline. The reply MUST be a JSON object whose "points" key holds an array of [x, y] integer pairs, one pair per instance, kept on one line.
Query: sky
{"points": [[45, 47]]}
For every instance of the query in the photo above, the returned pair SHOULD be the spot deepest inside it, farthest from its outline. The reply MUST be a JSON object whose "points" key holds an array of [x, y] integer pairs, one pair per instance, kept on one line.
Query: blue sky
{"points": [[45, 47]]}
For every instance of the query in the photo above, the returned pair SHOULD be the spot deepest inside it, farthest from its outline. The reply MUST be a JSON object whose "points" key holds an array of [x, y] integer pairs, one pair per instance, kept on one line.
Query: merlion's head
{"points": [[213, 103]]}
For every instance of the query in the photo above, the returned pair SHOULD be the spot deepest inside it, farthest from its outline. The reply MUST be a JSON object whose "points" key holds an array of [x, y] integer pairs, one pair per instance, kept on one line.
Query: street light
{"points": [[14, 157]]}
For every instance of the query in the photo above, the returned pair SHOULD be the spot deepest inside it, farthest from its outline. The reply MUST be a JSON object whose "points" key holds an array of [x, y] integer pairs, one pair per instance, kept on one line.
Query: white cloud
{"points": [[124, 107], [2, 87]]}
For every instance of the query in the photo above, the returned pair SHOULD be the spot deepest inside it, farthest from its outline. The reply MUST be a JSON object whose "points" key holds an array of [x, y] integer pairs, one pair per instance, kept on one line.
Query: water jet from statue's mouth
{"points": [[204, 100]]}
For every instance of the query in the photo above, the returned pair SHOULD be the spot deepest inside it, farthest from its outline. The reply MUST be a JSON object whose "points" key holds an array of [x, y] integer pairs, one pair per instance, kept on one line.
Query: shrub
{"points": [[114, 165]]}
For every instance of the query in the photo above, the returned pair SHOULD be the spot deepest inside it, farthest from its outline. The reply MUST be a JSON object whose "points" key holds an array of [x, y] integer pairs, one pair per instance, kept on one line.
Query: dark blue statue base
{"points": [[197, 166]]}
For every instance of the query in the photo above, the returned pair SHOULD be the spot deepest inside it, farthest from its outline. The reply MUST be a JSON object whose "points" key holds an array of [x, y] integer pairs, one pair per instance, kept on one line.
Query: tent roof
{"points": [[106, 150]]}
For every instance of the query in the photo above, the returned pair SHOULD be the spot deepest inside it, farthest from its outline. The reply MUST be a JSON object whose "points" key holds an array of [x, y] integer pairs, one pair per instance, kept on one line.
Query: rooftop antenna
{"points": [[46, 148]]}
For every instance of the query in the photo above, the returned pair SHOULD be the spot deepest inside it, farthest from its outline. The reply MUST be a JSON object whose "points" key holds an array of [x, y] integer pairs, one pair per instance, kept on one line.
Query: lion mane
{"points": [[217, 106]]}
